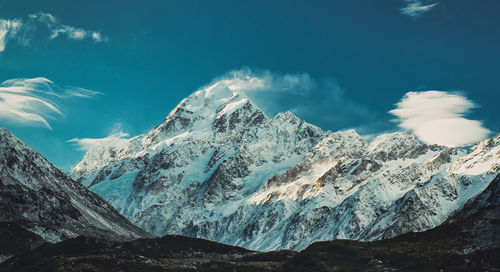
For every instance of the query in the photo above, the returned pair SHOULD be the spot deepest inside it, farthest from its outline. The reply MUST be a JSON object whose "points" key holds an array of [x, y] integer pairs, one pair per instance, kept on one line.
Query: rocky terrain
{"points": [[342, 187], [468, 241], [218, 168], [43, 200], [16, 240]]}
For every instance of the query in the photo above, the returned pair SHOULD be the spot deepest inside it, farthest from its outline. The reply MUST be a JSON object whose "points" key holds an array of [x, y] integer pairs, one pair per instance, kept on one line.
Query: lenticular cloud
{"points": [[32, 101], [436, 117]]}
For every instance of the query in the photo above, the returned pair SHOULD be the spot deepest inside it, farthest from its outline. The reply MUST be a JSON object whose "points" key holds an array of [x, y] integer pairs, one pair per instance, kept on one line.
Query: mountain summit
{"points": [[218, 168]]}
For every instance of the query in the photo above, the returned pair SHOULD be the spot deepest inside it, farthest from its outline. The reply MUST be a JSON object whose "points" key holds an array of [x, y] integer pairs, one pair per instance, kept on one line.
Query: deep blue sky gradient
{"points": [[159, 52]]}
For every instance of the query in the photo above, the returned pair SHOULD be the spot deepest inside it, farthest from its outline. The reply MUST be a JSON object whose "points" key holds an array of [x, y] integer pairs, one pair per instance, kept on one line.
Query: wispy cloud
{"points": [[44, 18], [323, 101], [86, 144], [436, 117], [416, 8], [74, 33], [24, 30], [248, 81], [8, 30], [33, 101]]}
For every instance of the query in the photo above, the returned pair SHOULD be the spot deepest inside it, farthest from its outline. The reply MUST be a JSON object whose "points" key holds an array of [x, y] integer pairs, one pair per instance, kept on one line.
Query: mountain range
{"points": [[467, 241], [219, 168], [272, 194]]}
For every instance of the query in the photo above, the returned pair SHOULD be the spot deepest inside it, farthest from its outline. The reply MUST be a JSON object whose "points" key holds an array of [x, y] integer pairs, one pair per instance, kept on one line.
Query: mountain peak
{"points": [[288, 115], [4, 131], [210, 98], [6, 134], [218, 91], [397, 145], [214, 109], [11, 146]]}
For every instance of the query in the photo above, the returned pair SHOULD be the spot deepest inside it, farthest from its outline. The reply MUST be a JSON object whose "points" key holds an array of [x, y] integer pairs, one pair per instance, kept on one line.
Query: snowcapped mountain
{"points": [[218, 168], [36, 195]]}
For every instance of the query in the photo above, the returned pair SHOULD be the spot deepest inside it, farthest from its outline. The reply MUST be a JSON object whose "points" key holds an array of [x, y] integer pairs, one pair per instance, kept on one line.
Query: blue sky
{"points": [[135, 60]]}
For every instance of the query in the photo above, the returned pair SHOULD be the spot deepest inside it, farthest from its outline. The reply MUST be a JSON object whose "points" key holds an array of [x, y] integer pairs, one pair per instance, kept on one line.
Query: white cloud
{"points": [[24, 30], [45, 18], [415, 8], [73, 33], [97, 36], [246, 80], [86, 144], [8, 29], [80, 92], [31, 102], [273, 93], [323, 102], [436, 117]]}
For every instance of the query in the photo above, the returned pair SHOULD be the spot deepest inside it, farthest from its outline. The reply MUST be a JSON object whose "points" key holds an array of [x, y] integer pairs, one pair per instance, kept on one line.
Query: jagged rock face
{"points": [[218, 168], [212, 152], [489, 199], [41, 198]]}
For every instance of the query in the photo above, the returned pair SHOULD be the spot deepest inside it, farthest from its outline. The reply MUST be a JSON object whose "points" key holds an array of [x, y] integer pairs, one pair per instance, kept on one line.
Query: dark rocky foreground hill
{"points": [[16, 240], [468, 242], [39, 197]]}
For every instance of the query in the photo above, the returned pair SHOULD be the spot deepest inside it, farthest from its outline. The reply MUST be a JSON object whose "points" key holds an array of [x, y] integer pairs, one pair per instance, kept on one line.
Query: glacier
{"points": [[219, 168]]}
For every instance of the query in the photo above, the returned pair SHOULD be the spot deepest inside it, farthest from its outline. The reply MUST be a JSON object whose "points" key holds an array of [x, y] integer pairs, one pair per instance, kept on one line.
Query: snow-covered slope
{"points": [[38, 196], [218, 168]]}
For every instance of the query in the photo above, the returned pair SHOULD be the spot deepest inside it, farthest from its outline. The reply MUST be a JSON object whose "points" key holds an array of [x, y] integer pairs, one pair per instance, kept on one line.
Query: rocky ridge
{"points": [[218, 168], [39, 197]]}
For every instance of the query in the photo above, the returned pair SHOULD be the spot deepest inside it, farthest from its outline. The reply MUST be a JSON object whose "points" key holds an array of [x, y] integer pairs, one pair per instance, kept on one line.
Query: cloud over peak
{"points": [[23, 31], [33, 101], [86, 144], [416, 8], [248, 81], [321, 100], [436, 117]]}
